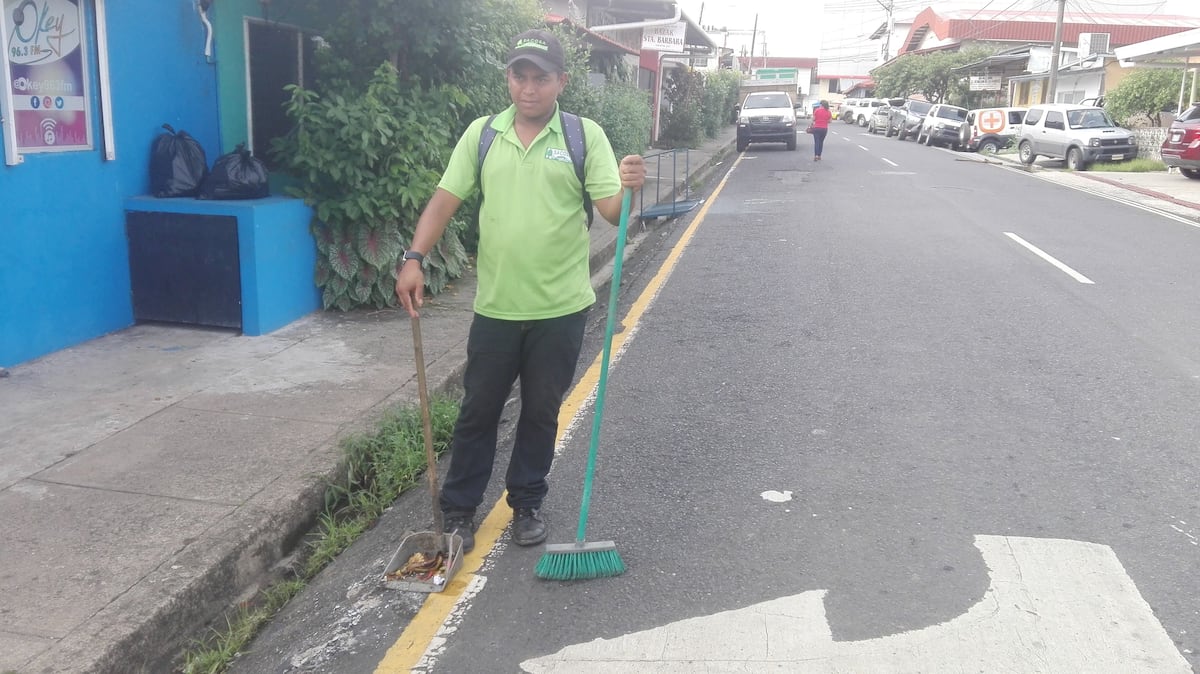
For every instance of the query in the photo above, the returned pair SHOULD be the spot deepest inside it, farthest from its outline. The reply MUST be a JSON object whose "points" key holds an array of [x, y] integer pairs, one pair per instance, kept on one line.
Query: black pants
{"points": [[543, 355], [819, 141]]}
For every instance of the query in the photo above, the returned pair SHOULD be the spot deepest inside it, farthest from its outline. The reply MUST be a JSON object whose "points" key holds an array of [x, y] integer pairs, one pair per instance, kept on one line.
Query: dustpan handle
{"points": [[427, 423]]}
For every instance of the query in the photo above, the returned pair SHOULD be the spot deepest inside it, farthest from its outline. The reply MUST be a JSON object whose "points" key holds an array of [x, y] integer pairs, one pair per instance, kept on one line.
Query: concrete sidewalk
{"points": [[1170, 193], [153, 478]]}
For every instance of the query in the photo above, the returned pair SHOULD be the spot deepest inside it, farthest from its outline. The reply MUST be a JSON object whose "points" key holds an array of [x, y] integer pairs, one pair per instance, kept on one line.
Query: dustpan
{"points": [[422, 548]]}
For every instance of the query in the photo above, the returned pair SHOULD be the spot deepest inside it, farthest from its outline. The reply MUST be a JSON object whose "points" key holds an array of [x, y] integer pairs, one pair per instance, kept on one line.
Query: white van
{"points": [[989, 130]]}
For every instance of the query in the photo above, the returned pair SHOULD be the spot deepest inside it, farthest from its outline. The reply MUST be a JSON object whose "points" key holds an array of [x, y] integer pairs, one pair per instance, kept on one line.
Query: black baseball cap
{"points": [[540, 48]]}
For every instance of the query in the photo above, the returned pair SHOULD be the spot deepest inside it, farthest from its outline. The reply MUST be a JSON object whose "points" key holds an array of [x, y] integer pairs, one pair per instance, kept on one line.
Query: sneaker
{"points": [[528, 526], [463, 525]]}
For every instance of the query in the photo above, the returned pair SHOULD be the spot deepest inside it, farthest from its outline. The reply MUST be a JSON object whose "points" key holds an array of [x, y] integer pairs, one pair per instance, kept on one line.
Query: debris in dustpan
{"points": [[421, 566], [424, 562]]}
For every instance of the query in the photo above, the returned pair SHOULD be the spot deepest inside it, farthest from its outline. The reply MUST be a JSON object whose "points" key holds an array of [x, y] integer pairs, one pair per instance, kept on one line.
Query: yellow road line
{"points": [[406, 653]]}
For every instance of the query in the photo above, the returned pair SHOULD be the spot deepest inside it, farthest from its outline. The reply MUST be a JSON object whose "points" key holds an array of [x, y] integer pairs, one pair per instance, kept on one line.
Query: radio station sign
{"points": [[45, 62], [664, 38], [985, 82]]}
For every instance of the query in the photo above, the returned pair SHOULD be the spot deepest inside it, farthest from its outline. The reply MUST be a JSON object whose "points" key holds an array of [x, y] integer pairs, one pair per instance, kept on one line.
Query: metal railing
{"points": [[670, 205]]}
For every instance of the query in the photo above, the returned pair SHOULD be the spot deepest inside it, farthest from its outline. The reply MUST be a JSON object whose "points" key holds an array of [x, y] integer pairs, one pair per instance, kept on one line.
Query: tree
{"points": [[1145, 91], [930, 75]]}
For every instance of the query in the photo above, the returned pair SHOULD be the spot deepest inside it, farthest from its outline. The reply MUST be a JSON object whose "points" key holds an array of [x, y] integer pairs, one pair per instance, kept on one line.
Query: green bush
{"points": [[625, 117], [374, 133], [720, 97], [696, 105], [681, 116], [368, 165]]}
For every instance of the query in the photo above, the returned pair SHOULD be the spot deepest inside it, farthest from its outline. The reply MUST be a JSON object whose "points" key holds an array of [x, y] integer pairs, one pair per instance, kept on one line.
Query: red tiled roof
{"points": [[1124, 29]]}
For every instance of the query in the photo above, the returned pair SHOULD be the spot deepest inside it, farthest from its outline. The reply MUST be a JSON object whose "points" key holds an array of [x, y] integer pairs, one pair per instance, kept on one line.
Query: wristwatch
{"points": [[412, 255]]}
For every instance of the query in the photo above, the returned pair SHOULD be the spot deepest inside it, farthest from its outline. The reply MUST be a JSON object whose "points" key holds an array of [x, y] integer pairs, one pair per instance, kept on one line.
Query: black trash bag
{"points": [[178, 165], [237, 175]]}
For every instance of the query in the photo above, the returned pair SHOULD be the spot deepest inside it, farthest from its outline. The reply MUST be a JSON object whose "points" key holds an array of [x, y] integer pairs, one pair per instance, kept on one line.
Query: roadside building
{"points": [[1019, 71], [87, 251]]}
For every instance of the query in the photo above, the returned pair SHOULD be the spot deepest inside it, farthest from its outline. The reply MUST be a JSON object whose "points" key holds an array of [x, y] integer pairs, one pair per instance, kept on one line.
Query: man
{"points": [[534, 287]]}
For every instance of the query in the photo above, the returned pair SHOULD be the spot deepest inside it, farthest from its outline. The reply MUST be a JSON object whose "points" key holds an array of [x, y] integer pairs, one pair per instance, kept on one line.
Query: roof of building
{"points": [[596, 40], [959, 25], [1167, 49], [883, 28], [643, 10]]}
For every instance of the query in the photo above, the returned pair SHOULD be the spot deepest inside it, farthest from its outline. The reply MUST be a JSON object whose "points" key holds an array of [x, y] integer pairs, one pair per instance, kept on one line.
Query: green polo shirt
{"points": [[533, 238]]}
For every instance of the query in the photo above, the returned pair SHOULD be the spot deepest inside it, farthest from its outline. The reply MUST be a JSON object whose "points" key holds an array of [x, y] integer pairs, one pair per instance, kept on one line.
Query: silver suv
{"points": [[943, 124], [1081, 134]]}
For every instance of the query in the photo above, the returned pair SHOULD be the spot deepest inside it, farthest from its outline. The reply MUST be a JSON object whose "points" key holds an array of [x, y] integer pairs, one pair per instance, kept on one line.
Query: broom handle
{"points": [[609, 326], [427, 425]]}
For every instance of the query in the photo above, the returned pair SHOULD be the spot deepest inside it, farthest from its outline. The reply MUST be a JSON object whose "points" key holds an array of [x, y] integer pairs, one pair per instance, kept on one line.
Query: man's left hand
{"points": [[633, 172]]}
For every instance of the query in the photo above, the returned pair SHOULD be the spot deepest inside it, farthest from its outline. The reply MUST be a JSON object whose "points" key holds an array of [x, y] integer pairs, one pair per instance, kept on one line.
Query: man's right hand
{"points": [[410, 286]]}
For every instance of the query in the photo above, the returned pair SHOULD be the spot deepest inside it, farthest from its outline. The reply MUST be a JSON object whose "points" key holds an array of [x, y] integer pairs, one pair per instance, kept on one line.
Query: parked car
{"points": [[861, 112], [881, 116], [1080, 134], [766, 117], [988, 130], [942, 124], [847, 109], [906, 119], [1182, 146]]}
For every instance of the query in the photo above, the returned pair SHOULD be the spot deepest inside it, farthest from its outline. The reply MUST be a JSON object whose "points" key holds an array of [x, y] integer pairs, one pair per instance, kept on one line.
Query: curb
{"points": [[256, 547], [1144, 191]]}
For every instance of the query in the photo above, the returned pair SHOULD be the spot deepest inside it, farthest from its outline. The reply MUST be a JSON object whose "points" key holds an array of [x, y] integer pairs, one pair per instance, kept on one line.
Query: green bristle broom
{"points": [[596, 559]]}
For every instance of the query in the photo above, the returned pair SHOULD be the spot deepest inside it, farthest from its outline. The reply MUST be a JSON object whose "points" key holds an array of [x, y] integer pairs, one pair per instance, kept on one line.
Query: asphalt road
{"points": [[895, 411]]}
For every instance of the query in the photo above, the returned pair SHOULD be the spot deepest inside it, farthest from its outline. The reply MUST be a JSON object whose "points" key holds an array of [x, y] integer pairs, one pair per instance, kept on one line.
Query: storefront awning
{"points": [[1170, 50], [598, 42]]}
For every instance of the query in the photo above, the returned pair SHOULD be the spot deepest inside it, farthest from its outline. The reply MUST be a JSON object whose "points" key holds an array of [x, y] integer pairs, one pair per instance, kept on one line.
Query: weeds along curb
{"points": [[375, 467]]}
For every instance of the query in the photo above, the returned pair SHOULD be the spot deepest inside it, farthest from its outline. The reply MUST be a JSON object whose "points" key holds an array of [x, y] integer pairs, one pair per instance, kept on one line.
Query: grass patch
{"points": [[379, 466], [1139, 165]]}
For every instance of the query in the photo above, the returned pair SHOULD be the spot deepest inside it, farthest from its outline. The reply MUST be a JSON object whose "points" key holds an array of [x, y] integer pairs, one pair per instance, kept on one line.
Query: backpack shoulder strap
{"points": [[486, 137], [572, 127]]}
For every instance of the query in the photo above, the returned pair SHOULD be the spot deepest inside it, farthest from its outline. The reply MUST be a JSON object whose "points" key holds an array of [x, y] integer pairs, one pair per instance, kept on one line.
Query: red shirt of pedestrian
{"points": [[821, 117]]}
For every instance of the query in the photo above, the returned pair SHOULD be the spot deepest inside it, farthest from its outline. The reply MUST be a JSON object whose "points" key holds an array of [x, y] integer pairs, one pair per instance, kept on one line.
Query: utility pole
{"points": [[753, 35], [1056, 51], [890, 8]]}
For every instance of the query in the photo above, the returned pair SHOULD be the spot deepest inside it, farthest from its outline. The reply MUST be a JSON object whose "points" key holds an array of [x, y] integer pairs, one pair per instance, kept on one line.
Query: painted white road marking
{"points": [[777, 496], [863, 148], [1052, 606], [889, 161], [1048, 258], [1104, 195]]}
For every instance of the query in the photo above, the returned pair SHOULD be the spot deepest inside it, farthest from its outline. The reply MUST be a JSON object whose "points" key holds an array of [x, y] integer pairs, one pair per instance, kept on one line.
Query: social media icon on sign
{"points": [[47, 102], [35, 102], [59, 103]]}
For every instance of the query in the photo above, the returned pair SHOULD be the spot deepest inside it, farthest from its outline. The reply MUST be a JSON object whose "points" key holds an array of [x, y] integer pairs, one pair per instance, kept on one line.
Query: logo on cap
{"points": [[533, 43]]}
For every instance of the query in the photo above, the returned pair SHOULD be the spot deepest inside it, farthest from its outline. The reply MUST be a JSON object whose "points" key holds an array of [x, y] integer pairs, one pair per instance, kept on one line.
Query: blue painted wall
{"points": [[64, 268]]}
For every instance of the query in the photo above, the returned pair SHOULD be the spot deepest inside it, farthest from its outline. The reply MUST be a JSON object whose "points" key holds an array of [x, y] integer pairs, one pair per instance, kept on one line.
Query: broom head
{"points": [[578, 561]]}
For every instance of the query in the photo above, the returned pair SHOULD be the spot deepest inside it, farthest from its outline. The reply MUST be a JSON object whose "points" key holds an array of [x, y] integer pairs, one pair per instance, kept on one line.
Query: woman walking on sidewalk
{"points": [[821, 119]]}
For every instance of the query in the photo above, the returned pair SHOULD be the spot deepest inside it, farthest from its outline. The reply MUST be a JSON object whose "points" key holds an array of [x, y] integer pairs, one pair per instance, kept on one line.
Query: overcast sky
{"points": [[837, 29]]}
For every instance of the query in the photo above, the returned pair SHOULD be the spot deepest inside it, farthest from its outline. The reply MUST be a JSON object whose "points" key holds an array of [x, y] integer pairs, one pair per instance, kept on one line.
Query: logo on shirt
{"points": [[555, 154]]}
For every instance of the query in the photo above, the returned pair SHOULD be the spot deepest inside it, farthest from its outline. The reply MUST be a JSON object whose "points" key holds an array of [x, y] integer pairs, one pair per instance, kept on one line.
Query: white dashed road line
{"points": [[1045, 256]]}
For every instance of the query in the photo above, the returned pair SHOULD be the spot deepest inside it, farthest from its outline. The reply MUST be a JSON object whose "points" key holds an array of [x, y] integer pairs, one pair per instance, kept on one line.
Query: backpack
{"points": [[572, 127]]}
